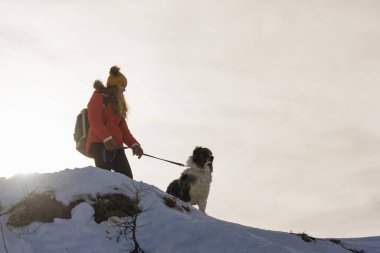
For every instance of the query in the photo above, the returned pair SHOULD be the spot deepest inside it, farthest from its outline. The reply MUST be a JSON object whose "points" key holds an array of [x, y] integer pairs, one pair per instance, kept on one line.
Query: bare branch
{"points": [[2, 235], [127, 226]]}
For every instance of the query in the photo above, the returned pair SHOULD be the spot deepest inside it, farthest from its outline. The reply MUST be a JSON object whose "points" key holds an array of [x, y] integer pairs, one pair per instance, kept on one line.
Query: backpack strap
{"points": [[84, 122]]}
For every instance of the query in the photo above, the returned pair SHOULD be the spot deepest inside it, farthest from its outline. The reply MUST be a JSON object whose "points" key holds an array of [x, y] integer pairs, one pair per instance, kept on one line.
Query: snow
{"points": [[161, 229]]}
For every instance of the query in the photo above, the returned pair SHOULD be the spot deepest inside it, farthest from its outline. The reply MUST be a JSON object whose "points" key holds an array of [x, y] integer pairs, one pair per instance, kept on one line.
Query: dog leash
{"points": [[179, 164]]}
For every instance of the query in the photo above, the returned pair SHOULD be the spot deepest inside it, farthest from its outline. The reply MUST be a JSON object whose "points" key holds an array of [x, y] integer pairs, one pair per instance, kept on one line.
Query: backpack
{"points": [[82, 127]]}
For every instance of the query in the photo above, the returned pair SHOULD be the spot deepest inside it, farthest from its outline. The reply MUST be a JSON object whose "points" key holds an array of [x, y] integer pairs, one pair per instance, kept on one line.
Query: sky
{"points": [[284, 93]]}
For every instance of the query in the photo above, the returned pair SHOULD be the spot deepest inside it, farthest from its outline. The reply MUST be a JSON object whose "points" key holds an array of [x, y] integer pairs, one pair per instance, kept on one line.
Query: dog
{"points": [[194, 184]]}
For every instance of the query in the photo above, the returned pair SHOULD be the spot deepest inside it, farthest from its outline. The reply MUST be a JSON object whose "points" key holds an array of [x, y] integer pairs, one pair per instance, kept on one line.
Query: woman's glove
{"points": [[137, 150]]}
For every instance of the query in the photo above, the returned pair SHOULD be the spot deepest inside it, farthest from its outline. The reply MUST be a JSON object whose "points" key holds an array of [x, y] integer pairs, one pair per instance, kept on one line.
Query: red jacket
{"points": [[105, 123]]}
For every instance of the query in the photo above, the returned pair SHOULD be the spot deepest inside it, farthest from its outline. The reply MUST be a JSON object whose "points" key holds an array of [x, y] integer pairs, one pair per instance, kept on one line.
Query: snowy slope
{"points": [[161, 229]]}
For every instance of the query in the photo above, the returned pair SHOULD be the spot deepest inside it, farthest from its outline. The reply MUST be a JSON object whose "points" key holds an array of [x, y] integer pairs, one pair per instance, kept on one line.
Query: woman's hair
{"points": [[116, 98], [117, 101]]}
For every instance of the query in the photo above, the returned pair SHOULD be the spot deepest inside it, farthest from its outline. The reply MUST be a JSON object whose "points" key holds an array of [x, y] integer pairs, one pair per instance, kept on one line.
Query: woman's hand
{"points": [[138, 151]]}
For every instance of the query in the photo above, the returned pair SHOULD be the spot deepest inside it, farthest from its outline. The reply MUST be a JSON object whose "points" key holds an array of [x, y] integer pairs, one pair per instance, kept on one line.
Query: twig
{"points": [[4, 213], [2, 235]]}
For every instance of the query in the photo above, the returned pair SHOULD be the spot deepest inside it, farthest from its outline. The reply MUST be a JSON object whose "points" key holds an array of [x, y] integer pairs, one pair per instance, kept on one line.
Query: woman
{"points": [[107, 113]]}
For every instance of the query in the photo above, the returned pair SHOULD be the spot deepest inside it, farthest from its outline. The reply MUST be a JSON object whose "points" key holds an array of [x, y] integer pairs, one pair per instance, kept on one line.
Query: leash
{"points": [[179, 164]]}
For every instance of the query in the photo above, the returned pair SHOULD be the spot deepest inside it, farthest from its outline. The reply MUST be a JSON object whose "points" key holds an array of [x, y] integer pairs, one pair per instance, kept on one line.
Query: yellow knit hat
{"points": [[116, 78]]}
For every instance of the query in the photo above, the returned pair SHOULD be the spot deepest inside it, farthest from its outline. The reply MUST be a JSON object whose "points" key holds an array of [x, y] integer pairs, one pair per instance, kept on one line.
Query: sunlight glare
{"points": [[29, 135]]}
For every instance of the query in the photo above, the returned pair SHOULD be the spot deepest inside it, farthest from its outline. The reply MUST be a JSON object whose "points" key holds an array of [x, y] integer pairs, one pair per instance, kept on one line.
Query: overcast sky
{"points": [[285, 94]]}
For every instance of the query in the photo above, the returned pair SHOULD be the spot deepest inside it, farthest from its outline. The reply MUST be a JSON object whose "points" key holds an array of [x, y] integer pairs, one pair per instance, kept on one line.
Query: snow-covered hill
{"points": [[164, 225]]}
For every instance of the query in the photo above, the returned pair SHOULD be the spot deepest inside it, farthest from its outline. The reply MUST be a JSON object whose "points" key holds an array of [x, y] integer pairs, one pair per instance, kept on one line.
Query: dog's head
{"points": [[202, 158]]}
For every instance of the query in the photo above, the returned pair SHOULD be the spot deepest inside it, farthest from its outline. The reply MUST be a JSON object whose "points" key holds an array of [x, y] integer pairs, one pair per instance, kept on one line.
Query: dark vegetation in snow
{"points": [[43, 207], [172, 202], [309, 239], [115, 204]]}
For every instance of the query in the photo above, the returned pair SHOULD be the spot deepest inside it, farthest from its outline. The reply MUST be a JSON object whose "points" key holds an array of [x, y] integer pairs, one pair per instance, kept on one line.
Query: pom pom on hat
{"points": [[116, 77], [115, 70]]}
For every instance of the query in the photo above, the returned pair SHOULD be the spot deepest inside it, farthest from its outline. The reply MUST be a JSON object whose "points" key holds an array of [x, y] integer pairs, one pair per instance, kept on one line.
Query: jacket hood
{"points": [[99, 86]]}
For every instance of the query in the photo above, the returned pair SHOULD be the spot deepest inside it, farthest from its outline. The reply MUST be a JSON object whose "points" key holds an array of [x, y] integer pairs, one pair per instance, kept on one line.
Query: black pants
{"points": [[111, 160]]}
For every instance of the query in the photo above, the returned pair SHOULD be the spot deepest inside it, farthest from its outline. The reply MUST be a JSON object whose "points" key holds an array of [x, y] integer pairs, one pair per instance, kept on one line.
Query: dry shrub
{"points": [[339, 242], [171, 202], [115, 204], [305, 237], [41, 207]]}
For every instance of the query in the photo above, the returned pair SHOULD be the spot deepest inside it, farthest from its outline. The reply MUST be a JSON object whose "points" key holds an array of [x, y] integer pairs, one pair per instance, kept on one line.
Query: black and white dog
{"points": [[194, 184]]}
